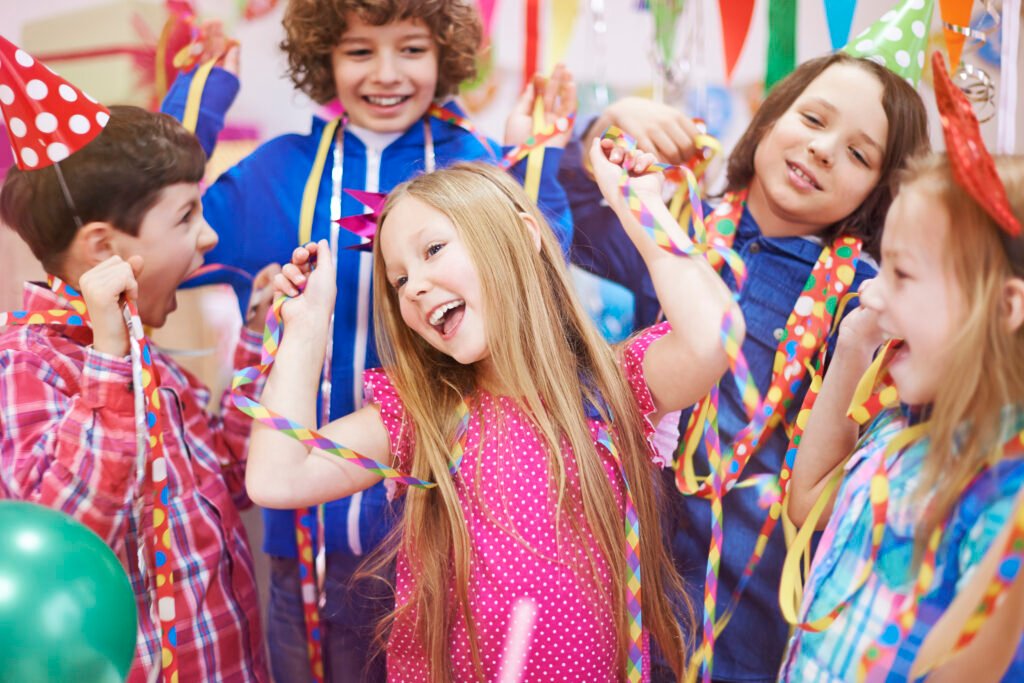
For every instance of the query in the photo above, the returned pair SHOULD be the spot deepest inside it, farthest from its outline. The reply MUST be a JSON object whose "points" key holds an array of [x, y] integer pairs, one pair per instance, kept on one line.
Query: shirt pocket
{"points": [[773, 286]]}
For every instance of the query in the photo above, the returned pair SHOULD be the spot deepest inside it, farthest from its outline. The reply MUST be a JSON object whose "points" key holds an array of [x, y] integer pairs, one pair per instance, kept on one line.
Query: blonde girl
{"points": [[946, 459], [474, 308]]}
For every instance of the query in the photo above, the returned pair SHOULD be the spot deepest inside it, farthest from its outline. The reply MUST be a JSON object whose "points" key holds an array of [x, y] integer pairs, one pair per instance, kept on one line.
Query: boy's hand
{"points": [[212, 43], [261, 298], [558, 93], [312, 288], [608, 160], [102, 288]]}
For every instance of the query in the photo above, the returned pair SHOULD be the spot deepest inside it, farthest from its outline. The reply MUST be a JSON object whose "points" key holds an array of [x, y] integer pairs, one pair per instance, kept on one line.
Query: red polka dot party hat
{"points": [[48, 119]]}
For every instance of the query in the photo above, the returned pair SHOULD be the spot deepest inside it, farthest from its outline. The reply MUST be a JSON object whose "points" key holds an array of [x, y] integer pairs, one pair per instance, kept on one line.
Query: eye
{"points": [[811, 119], [434, 248], [186, 218], [415, 50], [358, 52], [900, 274], [860, 158], [399, 281]]}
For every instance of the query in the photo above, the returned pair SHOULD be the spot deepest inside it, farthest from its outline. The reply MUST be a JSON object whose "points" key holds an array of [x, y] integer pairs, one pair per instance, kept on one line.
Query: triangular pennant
{"points": [[736, 15], [48, 119], [956, 22], [365, 224], [839, 14]]}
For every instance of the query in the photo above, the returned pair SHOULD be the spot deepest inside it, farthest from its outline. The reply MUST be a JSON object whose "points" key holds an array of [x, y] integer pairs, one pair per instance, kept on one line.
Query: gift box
{"points": [[109, 51]]}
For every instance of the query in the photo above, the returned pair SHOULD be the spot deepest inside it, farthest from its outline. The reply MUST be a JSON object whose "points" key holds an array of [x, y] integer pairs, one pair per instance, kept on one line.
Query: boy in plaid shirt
{"points": [[128, 224]]}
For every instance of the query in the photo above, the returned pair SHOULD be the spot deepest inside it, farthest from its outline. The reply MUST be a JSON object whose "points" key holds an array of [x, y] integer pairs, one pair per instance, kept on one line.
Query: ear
{"points": [[94, 243], [1013, 303], [531, 224]]}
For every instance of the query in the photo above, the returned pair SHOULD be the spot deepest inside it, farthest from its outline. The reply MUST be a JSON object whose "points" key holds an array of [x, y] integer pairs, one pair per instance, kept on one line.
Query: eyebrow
{"points": [[860, 133], [413, 34]]}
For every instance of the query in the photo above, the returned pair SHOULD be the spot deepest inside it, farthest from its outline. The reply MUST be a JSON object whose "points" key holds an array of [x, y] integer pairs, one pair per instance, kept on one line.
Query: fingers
{"points": [[289, 281], [524, 105]]}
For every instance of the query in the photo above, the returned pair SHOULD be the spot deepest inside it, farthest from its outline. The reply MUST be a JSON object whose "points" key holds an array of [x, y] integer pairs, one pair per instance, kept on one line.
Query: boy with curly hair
{"points": [[388, 62]]}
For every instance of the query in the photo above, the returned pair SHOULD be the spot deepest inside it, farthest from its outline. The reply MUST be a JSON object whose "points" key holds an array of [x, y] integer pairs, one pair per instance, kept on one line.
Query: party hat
{"points": [[973, 168], [898, 39], [48, 119]]}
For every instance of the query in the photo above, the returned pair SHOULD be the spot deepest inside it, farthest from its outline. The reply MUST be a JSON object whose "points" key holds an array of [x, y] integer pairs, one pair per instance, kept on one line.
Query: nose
{"points": [[207, 238], [821, 149], [872, 294], [416, 285], [386, 68]]}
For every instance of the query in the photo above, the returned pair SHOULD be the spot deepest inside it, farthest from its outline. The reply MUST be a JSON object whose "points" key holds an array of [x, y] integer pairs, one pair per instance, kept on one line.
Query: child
{"points": [[814, 165], [473, 303], [127, 223], [952, 289], [387, 62]]}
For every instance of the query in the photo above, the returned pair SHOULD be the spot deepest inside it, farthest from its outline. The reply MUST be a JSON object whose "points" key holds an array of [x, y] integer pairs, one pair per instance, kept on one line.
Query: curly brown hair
{"points": [[314, 28]]}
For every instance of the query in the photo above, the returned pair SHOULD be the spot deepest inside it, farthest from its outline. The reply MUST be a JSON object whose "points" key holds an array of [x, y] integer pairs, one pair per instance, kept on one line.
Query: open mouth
{"points": [[386, 100], [446, 317], [803, 176]]}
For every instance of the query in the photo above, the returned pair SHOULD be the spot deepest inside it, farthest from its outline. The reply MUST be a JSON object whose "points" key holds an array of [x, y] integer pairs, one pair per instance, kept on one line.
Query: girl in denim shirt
{"points": [[812, 168]]}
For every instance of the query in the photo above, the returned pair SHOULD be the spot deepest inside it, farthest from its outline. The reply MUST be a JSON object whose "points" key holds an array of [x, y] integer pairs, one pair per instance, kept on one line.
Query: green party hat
{"points": [[897, 40]]}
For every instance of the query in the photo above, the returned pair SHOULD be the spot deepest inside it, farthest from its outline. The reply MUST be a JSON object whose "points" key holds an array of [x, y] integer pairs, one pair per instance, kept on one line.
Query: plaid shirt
{"points": [[67, 441]]}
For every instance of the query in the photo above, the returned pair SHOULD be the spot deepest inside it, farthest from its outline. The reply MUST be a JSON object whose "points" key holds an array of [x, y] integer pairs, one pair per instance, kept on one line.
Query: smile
{"points": [[386, 101], [446, 317], [803, 175]]}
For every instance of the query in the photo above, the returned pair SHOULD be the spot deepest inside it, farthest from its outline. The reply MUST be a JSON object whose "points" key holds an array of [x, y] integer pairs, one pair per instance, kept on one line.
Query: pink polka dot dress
{"points": [[518, 554]]}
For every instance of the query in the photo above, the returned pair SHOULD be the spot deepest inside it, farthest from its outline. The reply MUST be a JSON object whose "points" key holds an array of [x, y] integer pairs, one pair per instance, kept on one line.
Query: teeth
{"points": [[385, 101], [799, 172], [438, 314]]}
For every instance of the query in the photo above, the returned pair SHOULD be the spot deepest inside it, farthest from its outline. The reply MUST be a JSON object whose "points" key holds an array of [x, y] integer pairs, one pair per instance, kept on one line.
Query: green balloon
{"points": [[67, 612]]}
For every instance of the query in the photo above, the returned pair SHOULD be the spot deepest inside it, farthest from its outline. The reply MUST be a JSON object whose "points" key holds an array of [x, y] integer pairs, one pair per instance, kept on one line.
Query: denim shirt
{"points": [[752, 646]]}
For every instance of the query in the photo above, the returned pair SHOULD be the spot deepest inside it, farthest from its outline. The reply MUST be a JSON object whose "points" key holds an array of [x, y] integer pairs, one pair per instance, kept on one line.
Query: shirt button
{"points": [[778, 333], [755, 248]]}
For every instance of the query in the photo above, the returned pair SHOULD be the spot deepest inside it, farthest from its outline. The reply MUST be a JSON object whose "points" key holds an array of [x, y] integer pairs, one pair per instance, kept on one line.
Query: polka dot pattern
{"points": [[897, 40], [518, 552], [48, 119]]}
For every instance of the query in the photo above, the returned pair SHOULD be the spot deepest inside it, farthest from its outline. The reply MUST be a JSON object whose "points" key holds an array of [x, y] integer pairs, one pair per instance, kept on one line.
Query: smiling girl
{"points": [[477, 318]]}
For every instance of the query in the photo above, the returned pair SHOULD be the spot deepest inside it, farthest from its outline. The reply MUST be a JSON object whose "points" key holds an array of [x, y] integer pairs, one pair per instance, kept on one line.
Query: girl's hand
{"points": [[558, 93], [608, 160], [310, 281], [860, 330]]}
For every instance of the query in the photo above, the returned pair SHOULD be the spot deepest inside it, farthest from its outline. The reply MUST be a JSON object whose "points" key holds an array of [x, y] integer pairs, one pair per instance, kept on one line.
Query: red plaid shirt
{"points": [[67, 441]]}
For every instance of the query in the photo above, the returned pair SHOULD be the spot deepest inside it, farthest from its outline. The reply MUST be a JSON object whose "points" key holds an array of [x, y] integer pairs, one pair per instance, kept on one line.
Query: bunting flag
{"points": [[781, 58], [839, 14], [956, 26], [736, 15]]}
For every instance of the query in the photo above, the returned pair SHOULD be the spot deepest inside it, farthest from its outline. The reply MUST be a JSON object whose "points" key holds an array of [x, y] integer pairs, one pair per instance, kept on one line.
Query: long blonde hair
{"points": [[985, 372], [549, 355]]}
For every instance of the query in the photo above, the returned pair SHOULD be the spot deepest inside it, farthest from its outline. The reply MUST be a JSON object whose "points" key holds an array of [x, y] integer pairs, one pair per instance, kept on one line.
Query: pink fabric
{"points": [[518, 553]]}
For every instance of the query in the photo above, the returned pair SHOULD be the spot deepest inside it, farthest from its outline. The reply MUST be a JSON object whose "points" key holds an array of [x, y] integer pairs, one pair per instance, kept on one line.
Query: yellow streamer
{"points": [[313, 183], [195, 96]]}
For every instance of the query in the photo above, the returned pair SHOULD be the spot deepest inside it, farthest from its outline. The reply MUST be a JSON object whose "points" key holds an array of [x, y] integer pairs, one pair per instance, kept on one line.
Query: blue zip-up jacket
{"points": [[751, 647], [254, 207]]}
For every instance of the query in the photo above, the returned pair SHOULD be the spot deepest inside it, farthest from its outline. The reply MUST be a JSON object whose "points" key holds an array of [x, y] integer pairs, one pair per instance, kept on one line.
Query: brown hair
{"points": [[548, 353], [116, 178], [908, 135], [314, 28], [985, 371]]}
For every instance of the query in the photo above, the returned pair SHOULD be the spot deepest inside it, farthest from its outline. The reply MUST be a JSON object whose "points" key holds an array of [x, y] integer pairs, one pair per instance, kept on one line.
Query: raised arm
{"points": [[830, 435], [683, 365], [282, 472]]}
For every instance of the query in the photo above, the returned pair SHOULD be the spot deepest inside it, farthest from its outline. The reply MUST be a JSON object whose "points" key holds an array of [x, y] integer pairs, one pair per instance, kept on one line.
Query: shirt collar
{"points": [[37, 296]]}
